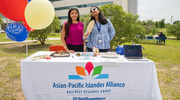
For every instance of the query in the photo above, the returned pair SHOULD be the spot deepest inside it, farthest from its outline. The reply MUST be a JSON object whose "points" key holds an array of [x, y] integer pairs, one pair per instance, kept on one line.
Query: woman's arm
{"points": [[84, 43], [89, 29], [111, 30], [63, 40]]}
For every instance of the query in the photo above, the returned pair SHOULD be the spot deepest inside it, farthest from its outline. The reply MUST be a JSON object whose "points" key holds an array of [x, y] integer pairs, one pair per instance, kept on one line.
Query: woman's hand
{"points": [[85, 49], [70, 51], [85, 35]]}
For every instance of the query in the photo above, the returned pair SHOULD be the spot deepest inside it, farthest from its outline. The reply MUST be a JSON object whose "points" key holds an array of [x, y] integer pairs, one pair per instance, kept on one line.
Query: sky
{"points": [[159, 9]]}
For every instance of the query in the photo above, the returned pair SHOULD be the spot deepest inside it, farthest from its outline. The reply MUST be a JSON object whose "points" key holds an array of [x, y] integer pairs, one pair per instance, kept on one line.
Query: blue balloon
{"points": [[29, 0], [16, 32], [120, 50]]}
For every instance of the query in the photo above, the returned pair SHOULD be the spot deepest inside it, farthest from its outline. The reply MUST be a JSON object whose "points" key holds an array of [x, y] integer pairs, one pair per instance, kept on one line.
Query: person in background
{"points": [[102, 32], [161, 35], [72, 32]]}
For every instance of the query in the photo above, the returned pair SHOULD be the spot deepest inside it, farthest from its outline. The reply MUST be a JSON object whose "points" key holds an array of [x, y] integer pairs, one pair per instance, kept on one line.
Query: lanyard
{"points": [[99, 28]]}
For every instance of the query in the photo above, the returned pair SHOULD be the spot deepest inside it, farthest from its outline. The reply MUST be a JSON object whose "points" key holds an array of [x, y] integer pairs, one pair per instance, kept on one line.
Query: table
{"points": [[71, 78]]}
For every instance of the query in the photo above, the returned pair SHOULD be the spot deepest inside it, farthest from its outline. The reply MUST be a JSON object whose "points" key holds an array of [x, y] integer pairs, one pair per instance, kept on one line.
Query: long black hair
{"points": [[69, 22], [101, 17]]}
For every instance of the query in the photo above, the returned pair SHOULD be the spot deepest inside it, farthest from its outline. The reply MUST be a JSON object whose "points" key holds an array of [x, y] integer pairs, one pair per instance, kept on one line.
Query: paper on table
{"points": [[86, 58]]}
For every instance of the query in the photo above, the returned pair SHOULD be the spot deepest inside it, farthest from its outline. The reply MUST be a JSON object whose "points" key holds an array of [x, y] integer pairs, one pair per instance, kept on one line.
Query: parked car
{"points": [[2, 31]]}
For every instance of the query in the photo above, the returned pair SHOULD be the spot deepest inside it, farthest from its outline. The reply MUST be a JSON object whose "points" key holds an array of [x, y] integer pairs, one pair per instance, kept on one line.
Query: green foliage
{"points": [[150, 27], [162, 23], [175, 22], [85, 20], [126, 25], [157, 24], [149, 23], [167, 25], [1, 21], [174, 30], [148, 30], [154, 30], [42, 35], [53, 34]]}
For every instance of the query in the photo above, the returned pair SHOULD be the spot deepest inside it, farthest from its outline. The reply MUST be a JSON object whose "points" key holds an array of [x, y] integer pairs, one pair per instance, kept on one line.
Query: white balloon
{"points": [[39, 14]]}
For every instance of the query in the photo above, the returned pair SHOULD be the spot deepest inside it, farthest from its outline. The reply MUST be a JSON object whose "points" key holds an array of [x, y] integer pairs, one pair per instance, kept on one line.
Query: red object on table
{"points": [[48, 57], [56, 48]]}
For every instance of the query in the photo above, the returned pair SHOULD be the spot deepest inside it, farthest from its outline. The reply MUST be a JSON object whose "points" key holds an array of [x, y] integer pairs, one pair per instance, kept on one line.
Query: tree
{"points": [[85, 20], [148, 30], [157, 24], [175, 30], [1, 21], [150, 23], [125, 24], [162, 24], [176, 22], [154, 30], [42, 35]]}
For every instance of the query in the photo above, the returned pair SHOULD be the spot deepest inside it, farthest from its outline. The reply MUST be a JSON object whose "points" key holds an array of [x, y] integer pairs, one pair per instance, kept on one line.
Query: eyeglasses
{"points": [[93, 10]]}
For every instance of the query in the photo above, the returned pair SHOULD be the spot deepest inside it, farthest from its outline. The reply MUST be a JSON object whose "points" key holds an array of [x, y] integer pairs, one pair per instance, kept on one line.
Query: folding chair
{"points": [[149, 38], [56, 48], [157, 39]]}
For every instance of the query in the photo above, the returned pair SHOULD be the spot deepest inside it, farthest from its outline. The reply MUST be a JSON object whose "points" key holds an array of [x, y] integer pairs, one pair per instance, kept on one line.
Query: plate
{"points": [[60, 54], [109, 55]]}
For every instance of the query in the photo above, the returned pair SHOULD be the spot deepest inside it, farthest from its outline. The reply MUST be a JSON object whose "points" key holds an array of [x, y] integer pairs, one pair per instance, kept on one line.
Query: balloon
{"points": [[39, 14], [16, 32], [29, 0], [27, 26], [13, 9]]}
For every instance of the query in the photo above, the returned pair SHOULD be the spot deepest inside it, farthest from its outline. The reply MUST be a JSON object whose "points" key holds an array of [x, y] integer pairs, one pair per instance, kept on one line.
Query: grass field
{"points": [[3, 37], [166, 58]]}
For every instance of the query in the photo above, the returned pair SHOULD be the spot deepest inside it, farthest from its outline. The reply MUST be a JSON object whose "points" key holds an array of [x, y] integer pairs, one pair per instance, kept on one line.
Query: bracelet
{"points": [[84, 46]]}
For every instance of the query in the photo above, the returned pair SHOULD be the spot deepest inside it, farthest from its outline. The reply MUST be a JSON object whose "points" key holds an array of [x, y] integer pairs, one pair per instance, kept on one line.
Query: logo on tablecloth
{"points": [[89, 71]]}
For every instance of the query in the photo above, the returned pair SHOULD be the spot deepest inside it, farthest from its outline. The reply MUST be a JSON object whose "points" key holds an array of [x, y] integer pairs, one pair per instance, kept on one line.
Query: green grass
{"points": [[3, 37], [54, 35], [166, 58]]}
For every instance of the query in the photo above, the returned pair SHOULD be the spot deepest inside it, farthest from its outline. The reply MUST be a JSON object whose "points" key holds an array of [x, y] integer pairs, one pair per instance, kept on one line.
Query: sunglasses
{"points": [[93, 10]]}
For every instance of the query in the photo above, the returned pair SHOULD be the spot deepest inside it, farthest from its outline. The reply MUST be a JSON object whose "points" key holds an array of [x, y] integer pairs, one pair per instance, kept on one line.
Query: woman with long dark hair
{"points": [[102, 32], [72, 32]]}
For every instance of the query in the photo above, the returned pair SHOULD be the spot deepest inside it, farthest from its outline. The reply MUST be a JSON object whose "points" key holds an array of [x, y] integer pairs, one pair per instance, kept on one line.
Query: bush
{"points": [[174, 30]]}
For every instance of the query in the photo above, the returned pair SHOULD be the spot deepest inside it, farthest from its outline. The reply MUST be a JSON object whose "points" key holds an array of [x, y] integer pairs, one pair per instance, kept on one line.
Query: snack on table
{"points": [[60, 54], [78, 54], [41, 57]]}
